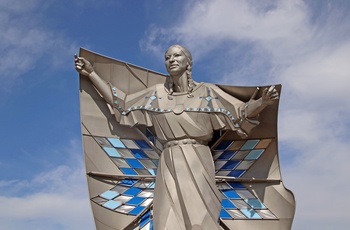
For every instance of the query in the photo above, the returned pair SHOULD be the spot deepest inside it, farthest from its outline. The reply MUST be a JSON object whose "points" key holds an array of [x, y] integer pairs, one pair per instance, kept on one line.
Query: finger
{"points": [[83, 60], [76, 59], [271, 89], [80, 61], [265, 91], [273, 94], [276, 97]]}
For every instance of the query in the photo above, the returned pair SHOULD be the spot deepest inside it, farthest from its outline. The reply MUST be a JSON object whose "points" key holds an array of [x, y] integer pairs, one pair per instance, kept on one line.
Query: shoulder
{"points": [[212, 86]]}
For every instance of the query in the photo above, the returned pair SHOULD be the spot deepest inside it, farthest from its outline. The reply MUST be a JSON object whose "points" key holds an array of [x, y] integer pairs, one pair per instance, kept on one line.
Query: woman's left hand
{"points": [[269, 95]]}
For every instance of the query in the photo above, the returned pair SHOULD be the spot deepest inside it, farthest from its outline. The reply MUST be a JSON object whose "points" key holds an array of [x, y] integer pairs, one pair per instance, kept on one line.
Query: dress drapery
{"points": [[186, 196]]}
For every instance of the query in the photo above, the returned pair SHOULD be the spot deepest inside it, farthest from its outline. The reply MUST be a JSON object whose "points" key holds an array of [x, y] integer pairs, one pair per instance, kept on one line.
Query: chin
{"points": [[175, 72]]}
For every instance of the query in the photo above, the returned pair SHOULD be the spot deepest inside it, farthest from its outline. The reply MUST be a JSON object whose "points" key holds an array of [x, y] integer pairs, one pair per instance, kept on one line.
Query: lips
{"points": [[173, 66]]}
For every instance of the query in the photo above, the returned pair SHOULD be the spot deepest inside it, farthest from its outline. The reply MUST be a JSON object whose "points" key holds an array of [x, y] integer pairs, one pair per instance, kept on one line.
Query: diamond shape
{"points": [[137, 210], [224, 214], [230, 193], [135, 201], [109, 194], [111, 204], [251, 213], [226, 203], [209, 98]]}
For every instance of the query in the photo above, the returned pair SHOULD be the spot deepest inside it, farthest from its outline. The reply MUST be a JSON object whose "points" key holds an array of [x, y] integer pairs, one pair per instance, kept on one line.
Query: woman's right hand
{"points": [[83, 66]]}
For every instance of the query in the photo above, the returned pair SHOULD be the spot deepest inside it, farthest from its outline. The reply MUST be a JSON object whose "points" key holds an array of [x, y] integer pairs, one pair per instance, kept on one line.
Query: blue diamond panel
{"points": [[250, 144], [138, 153], [230, 165], [143, 144], [136, 200], [133, 198], [226, 155], [137, 210], [112, 152], [111, 204], [235, 205], [254, 154], [134, 163], [223, 145], [109, 195], [250, 213], [234, 158], [145, 219], [226, 203], [224, 214], [133, 191], [128, 182], [132, 157], [116, 142], [128, 171], [231, 194]]}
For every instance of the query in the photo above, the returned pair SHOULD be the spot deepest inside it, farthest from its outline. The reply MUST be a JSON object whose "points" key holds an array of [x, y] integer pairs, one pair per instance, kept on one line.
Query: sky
{"points": [[303, 45]]}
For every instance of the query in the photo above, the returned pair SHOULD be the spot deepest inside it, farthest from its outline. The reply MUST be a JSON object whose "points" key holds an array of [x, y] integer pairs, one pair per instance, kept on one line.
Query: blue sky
{"points": [[305, 45]]}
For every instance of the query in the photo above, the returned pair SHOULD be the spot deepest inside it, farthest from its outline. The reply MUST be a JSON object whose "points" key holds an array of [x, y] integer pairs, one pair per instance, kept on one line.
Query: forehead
{"points": [[173, 50]]}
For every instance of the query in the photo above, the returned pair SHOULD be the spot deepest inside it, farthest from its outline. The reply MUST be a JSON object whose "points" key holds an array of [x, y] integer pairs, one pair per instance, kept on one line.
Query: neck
{"points": [[180, 83]]}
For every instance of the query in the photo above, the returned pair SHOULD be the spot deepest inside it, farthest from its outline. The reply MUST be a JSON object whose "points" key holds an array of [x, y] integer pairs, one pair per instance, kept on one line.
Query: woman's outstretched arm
{"points": [[85, 68]]}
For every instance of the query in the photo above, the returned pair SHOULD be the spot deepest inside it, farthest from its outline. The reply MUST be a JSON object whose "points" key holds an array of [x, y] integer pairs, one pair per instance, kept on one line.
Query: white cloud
{"points": [[323, 74], [318, 179], [55, 199], [213, 22], [308, 51], [240, 20], [46, 211], [26, 43]]}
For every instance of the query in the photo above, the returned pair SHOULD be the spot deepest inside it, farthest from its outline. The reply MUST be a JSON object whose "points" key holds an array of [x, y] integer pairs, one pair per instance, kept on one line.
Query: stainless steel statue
{"points": [[179, 118]]}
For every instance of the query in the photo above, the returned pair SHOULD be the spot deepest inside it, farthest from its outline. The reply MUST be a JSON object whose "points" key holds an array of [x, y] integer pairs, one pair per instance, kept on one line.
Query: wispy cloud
{"points": [[54, 199], [307, 50], [46, 211], [215, 22], [25, 42]]}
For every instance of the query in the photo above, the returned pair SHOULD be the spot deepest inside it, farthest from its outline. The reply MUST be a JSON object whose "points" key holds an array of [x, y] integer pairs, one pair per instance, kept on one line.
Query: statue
{"points": [[184, 115]]}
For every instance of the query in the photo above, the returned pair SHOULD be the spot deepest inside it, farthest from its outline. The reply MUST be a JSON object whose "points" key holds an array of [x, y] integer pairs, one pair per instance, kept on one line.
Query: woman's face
{"points": [[175, 61]]}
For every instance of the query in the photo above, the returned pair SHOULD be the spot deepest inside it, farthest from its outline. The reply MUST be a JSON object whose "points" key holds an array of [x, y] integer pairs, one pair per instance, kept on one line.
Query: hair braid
{"points": [[171, 87], [189, 79]]}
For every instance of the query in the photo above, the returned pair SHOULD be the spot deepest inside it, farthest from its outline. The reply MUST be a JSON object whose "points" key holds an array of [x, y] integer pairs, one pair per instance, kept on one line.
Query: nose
{"points": [[171, 59]]}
